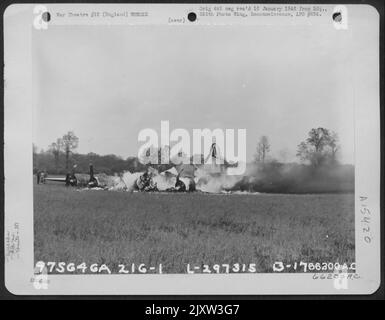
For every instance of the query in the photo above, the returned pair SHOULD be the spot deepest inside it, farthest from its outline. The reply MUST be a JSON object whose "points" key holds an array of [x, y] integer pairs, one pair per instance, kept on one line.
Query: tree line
{"points": [[317, 171], [320, 148], [61, 157]]}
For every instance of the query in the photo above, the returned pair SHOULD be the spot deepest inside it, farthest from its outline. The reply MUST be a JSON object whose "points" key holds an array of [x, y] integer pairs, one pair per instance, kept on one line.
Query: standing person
{"points": [[43, 175], [68, 179], [38, 176]]}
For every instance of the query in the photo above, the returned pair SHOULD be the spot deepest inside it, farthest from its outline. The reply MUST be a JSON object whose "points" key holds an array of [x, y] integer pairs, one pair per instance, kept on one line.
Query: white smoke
{"points": [[164, 182], [126, 182], [206, 181]]}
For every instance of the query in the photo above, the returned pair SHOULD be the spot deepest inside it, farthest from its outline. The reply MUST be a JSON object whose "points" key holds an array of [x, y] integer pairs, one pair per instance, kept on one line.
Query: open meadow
{"points": [[91, 226]]}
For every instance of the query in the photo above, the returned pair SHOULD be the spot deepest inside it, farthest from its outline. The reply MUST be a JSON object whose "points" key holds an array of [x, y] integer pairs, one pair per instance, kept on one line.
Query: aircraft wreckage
{"points": [[208, 177]]}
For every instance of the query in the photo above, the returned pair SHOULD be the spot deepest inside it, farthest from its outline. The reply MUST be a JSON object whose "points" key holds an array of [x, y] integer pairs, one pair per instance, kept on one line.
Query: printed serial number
{"points": [[62, 267], [302, 266], [222, 268]]}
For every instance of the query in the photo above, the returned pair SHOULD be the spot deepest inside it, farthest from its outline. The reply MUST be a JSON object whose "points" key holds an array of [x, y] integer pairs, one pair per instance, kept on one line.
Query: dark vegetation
{"points": [[319, 170]]}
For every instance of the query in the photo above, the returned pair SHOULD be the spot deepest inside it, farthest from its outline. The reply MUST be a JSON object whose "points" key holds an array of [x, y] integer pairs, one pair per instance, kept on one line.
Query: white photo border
{"points": [[19, 265]]}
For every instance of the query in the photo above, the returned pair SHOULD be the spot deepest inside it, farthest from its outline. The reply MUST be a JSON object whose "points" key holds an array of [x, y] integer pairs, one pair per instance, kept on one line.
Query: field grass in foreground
{"points": [[175, 229]]}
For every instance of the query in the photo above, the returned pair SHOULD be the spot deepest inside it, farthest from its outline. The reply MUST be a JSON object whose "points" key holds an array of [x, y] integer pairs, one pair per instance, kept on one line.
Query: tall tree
{"points": [[263, 148], [320, 147], [334, 147], [55, 148], [69, 143]]}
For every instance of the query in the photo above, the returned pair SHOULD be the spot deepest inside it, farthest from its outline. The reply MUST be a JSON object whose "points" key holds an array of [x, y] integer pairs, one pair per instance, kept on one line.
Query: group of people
{"points": [[40, 176], [146, 183]]}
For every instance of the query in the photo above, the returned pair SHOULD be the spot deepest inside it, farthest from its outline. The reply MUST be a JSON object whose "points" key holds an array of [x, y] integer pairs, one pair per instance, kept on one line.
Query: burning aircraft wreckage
{"points": [[211, 177]]}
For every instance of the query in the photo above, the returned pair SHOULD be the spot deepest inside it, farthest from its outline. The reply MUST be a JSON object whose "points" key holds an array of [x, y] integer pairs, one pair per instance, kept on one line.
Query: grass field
{"points": [[175, 229]]}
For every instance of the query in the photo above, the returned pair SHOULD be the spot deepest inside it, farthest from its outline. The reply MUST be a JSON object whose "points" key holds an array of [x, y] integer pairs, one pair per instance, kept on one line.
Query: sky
{"points": [[106, 83]]}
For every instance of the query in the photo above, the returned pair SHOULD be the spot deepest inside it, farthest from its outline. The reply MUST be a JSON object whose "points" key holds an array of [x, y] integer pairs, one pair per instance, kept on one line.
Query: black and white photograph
{"points": [[198, 147]]}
